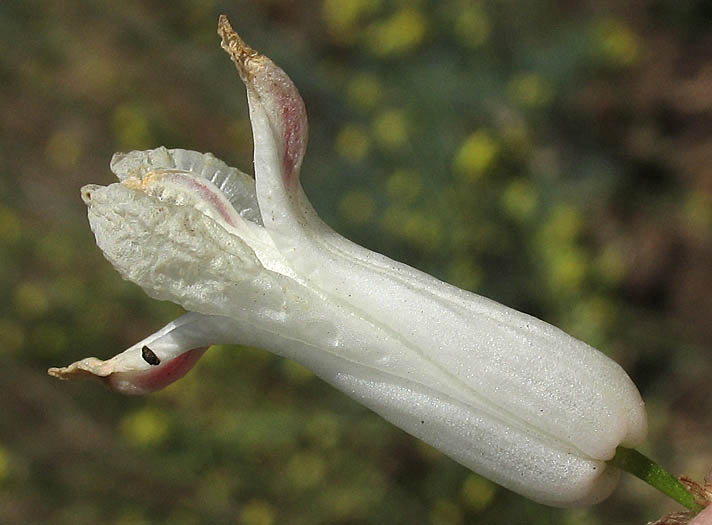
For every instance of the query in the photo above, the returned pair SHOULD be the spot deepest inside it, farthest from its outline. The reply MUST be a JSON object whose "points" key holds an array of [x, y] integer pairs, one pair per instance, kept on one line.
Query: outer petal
{"points": [[531, 372], [174, 350], [163, 247], [528, 463], [519, 459]]}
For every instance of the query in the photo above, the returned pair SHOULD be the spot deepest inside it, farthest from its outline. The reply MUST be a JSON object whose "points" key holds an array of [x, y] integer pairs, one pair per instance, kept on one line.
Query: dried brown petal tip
{"points": [[91, 368], [231, 42]]}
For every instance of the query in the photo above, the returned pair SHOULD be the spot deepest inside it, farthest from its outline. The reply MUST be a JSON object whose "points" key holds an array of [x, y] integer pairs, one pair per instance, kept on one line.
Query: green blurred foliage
{"points": [[553, 156]]}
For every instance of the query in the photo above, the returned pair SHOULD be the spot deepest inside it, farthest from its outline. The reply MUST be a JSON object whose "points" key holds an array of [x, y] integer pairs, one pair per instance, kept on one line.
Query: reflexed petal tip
{"points": [[130, 381], [272, 96], [153, 363], [90, 367]]}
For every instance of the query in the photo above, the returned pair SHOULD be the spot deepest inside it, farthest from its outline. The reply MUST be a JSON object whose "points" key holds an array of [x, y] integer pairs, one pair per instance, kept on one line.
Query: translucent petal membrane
{"points": [[236, 186]]}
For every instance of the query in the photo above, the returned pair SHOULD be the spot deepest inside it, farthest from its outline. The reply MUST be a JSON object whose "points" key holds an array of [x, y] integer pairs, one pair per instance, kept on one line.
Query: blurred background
{"points": [[553, 155]]}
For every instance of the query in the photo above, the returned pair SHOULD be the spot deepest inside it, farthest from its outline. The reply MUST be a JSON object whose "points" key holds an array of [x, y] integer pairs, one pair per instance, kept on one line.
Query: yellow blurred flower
{"points": [[529, 90], [353, 142], [305, 470], [477, 492], [611, 263], [400, 33], [445, 512], [31, 300], [145, 427], [463, 272], [10, 228], [564, 224], [64, 149], [295, 373], [342, 17], [357, 207], [616, 41], [697, 213], [12, 336], [404, 185], [390, 128], [364, 91], [131, 127], [257, 512], [324, 430], [472, 26], [520, 199], [4, 464], [567, 269], [476, 155]]}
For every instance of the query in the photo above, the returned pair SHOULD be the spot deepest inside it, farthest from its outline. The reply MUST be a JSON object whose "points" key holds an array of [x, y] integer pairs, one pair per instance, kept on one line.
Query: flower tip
{"points": [[56, 372], [235, 46], [91, 367], [87, 192]]}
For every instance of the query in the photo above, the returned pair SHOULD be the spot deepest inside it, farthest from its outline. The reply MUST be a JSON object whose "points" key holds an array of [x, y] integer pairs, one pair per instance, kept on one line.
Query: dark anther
{"points": [[149, 356]]}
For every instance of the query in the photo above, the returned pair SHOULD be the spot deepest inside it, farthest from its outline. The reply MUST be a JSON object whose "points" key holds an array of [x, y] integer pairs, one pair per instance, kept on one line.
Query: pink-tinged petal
{"points": [[483, 346], [237, 187], [204, 193], [279, 129], [271, 91], [132, 382], [156, 378], [156, 361]]}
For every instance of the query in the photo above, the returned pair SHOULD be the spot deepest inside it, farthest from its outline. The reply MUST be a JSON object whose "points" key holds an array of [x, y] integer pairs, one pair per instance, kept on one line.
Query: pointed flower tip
{"points": [[90, 367], [271, 93], [235, 46]]}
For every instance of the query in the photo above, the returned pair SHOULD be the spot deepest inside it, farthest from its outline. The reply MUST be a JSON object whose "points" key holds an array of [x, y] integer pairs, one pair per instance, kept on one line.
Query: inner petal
{"points": [[237, 187]]}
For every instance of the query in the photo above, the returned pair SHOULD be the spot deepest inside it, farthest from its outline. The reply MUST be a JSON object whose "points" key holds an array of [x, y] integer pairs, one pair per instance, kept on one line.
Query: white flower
{"points": [[503, 393]]}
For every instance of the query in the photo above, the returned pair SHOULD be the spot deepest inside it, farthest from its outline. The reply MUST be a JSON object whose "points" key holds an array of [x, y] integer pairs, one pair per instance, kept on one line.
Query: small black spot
{"points": [[149, 356], [422, 422]]}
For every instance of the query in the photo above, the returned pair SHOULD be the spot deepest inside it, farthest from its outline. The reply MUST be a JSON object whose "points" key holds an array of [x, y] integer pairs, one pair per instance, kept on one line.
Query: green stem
{"points": [[653, 474]]}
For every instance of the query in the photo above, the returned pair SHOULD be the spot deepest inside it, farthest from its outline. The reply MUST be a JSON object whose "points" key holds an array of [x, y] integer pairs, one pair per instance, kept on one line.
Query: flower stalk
{"points": [[654, 475]]}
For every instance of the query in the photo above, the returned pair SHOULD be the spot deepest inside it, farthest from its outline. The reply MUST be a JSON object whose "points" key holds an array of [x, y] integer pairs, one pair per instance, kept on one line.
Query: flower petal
{"points": [[173, 252], [279, 129], [274, 102], [173, 351], [237, 187], [520, 459], [501, 357]]}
